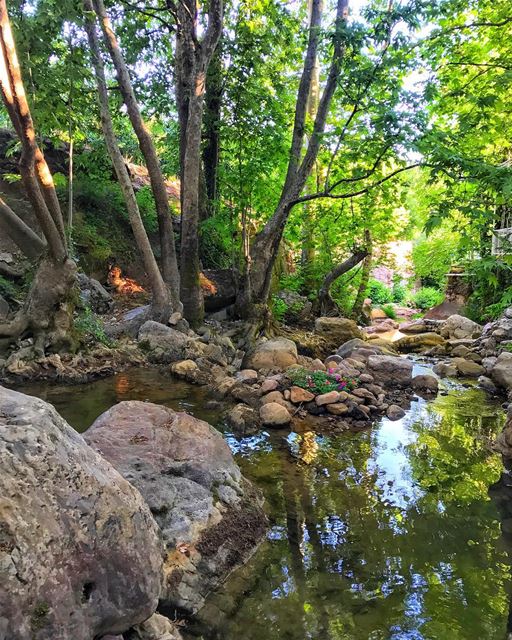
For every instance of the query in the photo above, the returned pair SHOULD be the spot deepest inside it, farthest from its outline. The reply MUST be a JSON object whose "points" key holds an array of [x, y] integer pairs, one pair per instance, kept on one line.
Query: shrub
{"points": [[7, 289], [426, 298], [278, 308], [378, 292], [90, 329], [320, 381], [389, 310], [399, 291]]}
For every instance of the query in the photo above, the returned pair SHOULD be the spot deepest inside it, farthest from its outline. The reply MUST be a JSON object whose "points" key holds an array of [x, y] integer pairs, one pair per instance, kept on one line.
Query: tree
{"points": [[47, 312]]}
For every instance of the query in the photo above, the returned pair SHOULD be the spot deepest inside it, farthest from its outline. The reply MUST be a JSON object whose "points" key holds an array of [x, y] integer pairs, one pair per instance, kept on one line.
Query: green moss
{"points": [[38, 618]]}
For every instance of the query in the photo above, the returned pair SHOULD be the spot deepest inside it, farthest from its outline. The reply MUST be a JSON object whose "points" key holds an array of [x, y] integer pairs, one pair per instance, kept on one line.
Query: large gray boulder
{"points": [[501, 373], [93, 294], [390, 370], [276, 354], [460, 327], [337, 331], [210, 517], [80, 553], [163, 344]]}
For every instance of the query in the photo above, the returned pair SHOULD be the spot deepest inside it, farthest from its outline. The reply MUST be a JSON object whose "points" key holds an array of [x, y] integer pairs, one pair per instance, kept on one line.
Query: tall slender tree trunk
{"points": [[161, 305], [211, 137], [357, 307], [327, 304], [147, 147], [21, 234], [47, 312]]}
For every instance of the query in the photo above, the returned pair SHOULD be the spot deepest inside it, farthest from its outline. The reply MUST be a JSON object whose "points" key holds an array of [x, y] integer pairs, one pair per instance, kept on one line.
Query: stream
{"points": [[387, 533]]}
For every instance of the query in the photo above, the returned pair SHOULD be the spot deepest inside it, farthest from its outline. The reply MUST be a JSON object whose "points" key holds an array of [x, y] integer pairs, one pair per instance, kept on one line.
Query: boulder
{"points": [[418, 342], [503, 442], [184, 369], [223, 293], [337, 331], [243, 419], [298, 308], [4, 307], [468, 368], [501, 373], [279, 354], [209, 516], [249, 376], [268, 385], [487, 384], [94, 295], [425, 382], [460, 327], [346, 349], [298, 395], [273, 396], [80, 551], [327, 398], [337, 409], [163, 344], [394, 412], [155, 628], [445, 370], [273, 414], [390, 371]]}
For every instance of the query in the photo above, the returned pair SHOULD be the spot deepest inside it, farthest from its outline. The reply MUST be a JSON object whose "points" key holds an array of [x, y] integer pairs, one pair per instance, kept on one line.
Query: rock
{"points": [[298, 308], [327, 398], [502, 371], [274, 415], [184, 369], [391, 370], [337, 409], [223, 293], [209, 516], [268, 385], [487, 384], [423, 325], [4, 307], [317, 365], [279, 354], [223, 387], [394, 412], [298, 395], [425, 382], [378, 314], [460, 351], [445, 370], [163, 344], [249, 376], [366, 378], [273, 396], [337, 331], [94, 295], [468, 368], [243, 419], [155, 628], [80, 552], [460, 327], [418, 342], [346, 349]]}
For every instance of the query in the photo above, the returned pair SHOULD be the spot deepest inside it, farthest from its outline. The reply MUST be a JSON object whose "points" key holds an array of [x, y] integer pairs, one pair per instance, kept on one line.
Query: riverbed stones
{"points": [[277, 354], [155, 628], [270, 384], [273, 396], [337, 331], [299, 395], [243, 419], [502, 371], [468, 368], [445, 370], [327, 398], [274, 414], [394, 412], [391, 370], [184, 369], [425, 382], [162, 343], [457, 326], [418, 342], [209, 516], [337, 409], [80, 554], [249, 376]]}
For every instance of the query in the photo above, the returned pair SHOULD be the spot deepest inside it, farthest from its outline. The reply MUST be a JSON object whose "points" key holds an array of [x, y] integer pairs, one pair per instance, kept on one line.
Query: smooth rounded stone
{"points": [[314, 409], [279, 353], [317, 365], [273, 396], [155, 628], [243, 419], [488, 364], [268, 385], [391, 370], [394, 412], [245, 393], [345, 350], [186, 473], [327, 398], [415, 326], [361, 392], [468, 368], [184, 368], [445, 370], [458, 326], [337, 409], [418, 342], [92, 293], [287, 394], [75, 537], [274, 415], [366, 378], [508, 312], [337, 331], [249, 376], [343, 395], [356, 399], [476, 357], [487, 384], [332, 361], [461, 351], [360, 412], [375, 389], [224, 386], [425, 382], [502, 371], [298, 395], [163, 344]]}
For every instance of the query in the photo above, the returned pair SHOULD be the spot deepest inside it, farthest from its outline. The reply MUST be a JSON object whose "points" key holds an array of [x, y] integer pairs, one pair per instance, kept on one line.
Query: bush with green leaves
{"points": [[426, 298], [319, 382], [278, 308], [378, 292], [90, 328], [389, 310]]}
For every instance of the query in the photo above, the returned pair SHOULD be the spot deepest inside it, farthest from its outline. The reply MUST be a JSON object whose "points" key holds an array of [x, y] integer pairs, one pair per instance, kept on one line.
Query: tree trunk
{"points": [[357, 307], [327, 304], [213, 101], [266, 243], [47, 314], [161, 306], [168, 248], [20, 233]]}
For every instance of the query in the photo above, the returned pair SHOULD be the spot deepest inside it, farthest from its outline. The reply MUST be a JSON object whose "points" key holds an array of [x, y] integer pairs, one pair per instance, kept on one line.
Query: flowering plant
{"points": [[319, 382]]}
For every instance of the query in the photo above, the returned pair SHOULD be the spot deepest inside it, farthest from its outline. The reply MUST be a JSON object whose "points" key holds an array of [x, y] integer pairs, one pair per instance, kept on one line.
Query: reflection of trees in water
{"points": [[347, 562]]}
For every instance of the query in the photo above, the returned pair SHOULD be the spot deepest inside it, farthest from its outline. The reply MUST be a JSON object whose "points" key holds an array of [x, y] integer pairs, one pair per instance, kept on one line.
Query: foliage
{"points": [[278, 308], [433, 255], [319, 382], [389, 310], [399, 290], [491, 283], [378, 292], [426, 298], [7, 289], [90, 328]]}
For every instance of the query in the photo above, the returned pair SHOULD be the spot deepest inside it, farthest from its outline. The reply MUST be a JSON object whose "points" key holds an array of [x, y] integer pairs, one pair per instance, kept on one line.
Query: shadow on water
{"points": [[384, 534]]}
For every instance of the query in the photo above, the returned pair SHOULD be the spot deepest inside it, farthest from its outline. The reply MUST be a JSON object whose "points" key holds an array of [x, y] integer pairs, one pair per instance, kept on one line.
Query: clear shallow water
{"points": [[384, 534]]}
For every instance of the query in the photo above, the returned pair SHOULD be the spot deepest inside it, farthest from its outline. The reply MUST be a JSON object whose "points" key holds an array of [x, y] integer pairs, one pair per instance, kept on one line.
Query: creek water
{"points": [[388, 533]]}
